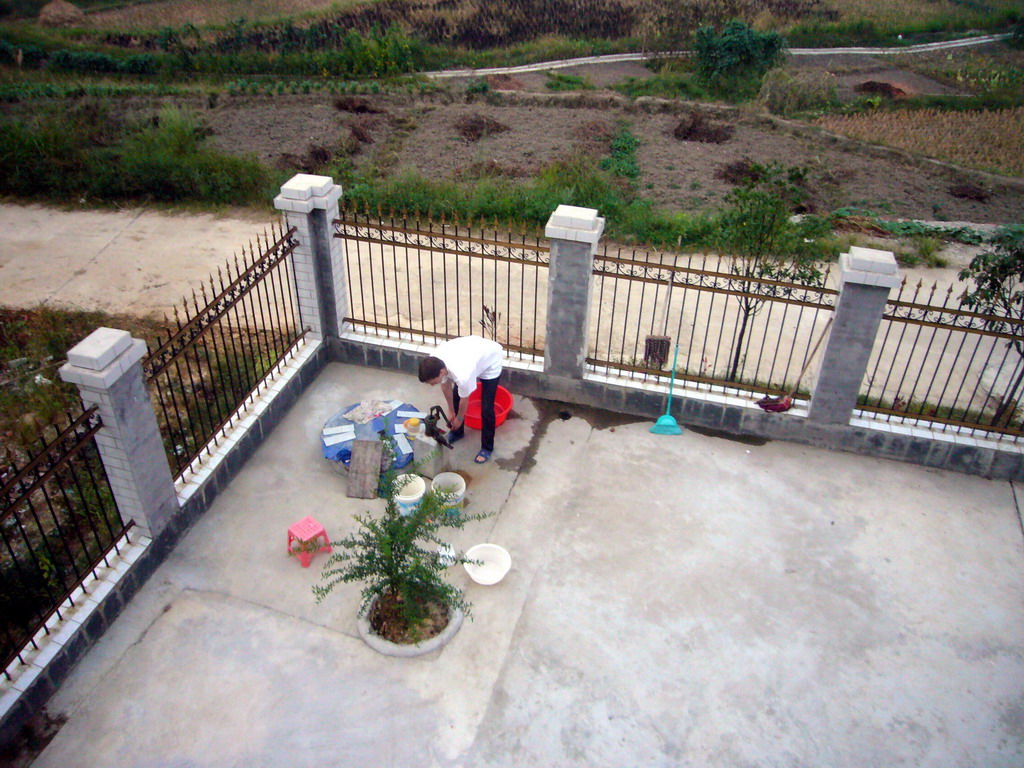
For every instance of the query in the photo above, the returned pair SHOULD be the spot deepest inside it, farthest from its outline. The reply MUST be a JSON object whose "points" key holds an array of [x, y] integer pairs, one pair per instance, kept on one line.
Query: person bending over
{"points": [[457, 365]]}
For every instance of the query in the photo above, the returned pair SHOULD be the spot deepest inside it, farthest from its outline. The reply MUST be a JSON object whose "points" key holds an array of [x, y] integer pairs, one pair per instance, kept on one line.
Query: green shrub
{"points": [[81, 61], [1017, 34], [738, 53], [142, 64]]}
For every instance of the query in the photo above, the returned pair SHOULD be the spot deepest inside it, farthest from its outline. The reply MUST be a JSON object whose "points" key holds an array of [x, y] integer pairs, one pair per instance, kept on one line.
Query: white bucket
{"points": [[453, 486], [410, 490]]}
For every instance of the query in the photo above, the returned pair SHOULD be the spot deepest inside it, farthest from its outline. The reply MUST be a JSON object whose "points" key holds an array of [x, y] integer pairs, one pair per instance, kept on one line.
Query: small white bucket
{"points": [[410, 491], [453, 486]]}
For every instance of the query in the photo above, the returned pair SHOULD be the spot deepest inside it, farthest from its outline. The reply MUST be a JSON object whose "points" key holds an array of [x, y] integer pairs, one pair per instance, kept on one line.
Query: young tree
{"points": [[998, 277], [758, 229], [395, 558]]}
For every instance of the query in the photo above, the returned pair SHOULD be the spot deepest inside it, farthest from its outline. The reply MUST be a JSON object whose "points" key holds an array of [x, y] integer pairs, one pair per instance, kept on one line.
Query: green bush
{"points": [[81, 61], [739, 52], [32, 56], [142, 64]]}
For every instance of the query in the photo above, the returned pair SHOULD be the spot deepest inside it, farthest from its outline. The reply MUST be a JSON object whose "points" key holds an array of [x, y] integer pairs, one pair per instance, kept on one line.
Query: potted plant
{"points": [[407, 607]]}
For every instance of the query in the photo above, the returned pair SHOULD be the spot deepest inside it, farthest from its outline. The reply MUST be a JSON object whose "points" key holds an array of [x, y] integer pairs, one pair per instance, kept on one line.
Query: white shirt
{"points": [[469, 358]]}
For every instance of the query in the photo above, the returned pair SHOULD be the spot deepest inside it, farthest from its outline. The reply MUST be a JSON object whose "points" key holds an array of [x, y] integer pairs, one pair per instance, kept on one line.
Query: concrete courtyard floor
{"points": [[693, 600]]}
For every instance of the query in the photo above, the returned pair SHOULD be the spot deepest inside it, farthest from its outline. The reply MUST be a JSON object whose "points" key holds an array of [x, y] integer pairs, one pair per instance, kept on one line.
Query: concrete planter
{"points": [[388, 648]]}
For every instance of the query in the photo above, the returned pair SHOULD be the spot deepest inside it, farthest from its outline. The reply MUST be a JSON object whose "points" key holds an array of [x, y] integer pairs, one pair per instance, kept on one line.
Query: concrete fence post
{"points": [[310, 203], [107, 369], [866, 277], [574, 234]]}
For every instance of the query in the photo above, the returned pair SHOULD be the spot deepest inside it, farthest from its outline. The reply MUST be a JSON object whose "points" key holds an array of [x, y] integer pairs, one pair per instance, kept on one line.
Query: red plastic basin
{"points": [[502, 405]]}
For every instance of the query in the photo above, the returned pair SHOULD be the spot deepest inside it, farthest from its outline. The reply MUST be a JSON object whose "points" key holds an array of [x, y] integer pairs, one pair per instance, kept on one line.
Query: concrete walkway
{"points": [[674, 601], [132, 261], [617, 58]]}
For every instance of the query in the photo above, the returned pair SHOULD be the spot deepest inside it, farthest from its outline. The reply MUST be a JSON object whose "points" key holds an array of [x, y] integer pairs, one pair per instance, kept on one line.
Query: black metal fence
{"points": [[744, 332], [223, 345], [937, 361], [423, 281], [58, 522]]}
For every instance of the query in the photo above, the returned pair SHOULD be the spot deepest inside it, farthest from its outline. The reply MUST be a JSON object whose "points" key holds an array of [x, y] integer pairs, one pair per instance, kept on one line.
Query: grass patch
{"points": [[670, 85], [559, 81], [621, 160], [581, 178], [86, 152]]}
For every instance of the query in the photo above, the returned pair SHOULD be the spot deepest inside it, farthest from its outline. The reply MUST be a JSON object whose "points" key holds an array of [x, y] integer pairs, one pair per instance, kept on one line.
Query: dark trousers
{"points": [[489, 390]]}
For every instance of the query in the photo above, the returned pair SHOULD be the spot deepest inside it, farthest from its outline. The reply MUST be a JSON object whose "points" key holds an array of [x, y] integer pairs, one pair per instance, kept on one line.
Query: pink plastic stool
{"points": [[307, 532]]}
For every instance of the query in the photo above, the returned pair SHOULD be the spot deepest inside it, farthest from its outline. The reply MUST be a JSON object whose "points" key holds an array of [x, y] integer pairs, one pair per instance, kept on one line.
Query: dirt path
{"points": [[130, 261]]}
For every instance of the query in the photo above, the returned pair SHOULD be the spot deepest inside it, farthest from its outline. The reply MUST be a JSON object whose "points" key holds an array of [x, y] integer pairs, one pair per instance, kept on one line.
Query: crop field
{"points": [[988, 140], [481, 23], [163, 13]]}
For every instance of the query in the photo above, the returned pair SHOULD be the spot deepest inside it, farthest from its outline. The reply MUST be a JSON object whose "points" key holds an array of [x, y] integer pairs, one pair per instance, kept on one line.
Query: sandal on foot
{"points": [[483, 457], [453, 439]]}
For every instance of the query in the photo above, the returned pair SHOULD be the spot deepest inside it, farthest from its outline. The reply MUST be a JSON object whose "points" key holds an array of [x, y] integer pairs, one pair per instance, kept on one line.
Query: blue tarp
{"points": [[342, 451]]}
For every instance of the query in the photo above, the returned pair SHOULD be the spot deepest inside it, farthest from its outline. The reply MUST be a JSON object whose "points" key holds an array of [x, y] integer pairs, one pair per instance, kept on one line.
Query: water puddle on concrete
{"points": [[745, 439], [523, 461]]}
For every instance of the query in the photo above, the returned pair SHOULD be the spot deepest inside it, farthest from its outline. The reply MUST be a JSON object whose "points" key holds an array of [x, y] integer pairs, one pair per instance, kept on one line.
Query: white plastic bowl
{"points": [[495, 562]]}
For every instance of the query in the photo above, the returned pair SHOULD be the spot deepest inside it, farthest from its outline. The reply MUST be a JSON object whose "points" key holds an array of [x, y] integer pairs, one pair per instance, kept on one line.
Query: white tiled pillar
{"points": [[866, 279], [574, 234], [310, 204], [106, 367]]}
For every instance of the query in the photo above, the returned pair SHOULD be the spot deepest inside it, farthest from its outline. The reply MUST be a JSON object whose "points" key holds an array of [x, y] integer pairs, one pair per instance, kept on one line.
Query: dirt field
{"points": [[298, 132], [678, 175]]}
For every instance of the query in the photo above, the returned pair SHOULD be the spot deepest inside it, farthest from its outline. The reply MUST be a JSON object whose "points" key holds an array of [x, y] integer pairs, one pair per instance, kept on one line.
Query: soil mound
{"points": [[60, 13], [361, 133], [970, 192], [739, 172], [504, 83], [475, 127], [312, 161], [697, 127], [355, 105], [882, 88], [594, 137]]}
